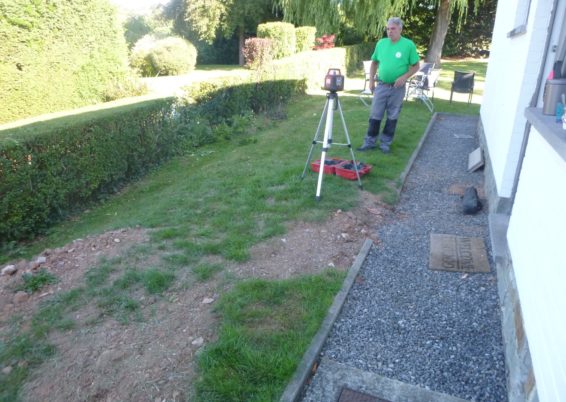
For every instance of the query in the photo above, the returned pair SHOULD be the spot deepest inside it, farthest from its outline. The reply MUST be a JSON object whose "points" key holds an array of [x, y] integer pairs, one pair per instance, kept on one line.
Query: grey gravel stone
{"points": [[434, 329]]}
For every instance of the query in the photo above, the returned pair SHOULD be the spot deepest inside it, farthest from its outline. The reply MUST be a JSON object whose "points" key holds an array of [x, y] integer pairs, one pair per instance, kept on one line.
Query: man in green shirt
{"points": [[394, 60]]}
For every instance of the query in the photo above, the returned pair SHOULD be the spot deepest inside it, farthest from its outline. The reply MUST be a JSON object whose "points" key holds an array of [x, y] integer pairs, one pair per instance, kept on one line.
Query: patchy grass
{"points": [[266, 327], [222, 199], [35, 281], [204, 272]]}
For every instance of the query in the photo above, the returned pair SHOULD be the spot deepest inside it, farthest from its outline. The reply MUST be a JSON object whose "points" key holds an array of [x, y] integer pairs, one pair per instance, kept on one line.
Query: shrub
{"points": [[258, 52], [131, 86], [135, 28], [356, 54], [57, 55], [305, 38], [325, 42], [51, 169], [283, 36], [167, 56]]}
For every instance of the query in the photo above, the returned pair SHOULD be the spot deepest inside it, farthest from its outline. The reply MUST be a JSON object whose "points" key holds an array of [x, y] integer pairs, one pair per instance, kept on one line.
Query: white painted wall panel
{"points": [[537, 242], [511, 80]]}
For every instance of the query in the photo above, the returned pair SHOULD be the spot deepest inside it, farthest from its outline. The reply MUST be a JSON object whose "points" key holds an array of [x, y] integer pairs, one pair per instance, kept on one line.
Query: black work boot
{"points": [[371, 136], [387, 135]]}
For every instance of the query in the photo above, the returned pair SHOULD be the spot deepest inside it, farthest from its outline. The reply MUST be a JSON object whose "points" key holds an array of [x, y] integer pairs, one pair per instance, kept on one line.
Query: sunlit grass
{"points": [[221, 200]]}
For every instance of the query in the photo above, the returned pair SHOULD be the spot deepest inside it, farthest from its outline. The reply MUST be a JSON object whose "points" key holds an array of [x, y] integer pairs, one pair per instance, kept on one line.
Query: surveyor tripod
{"points": [[332, 103]]}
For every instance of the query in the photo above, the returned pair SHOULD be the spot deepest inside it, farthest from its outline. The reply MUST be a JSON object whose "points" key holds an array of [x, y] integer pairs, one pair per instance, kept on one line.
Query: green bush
{"points": [[51, 169], [305, 37], [258, 52], [311, 66], [124, 88], [167, 56], [283, 36], [356, 54], [220, 101], [56, 55]]}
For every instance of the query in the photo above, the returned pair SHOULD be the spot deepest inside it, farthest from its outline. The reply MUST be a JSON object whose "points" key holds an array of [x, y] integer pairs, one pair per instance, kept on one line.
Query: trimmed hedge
{"points": [[218, 102], [283, 36], [258, 52], [305, 37], [356, 54], [51, 169], [311, 66], [57, 54], [166, 56]]}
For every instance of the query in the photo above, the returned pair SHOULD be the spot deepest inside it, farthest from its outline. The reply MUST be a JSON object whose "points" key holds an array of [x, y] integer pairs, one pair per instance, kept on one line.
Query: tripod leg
{"points": [[315, 139], [325, 143], [349, 143]]}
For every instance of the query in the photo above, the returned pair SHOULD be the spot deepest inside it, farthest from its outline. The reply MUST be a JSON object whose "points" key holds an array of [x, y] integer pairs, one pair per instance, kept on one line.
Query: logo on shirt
{"points": [[398, 55]]}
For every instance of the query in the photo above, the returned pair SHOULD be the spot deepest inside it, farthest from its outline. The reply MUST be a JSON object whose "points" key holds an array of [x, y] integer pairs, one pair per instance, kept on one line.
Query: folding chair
{"points": [[421, 83], [463, 83], [366, 93]]}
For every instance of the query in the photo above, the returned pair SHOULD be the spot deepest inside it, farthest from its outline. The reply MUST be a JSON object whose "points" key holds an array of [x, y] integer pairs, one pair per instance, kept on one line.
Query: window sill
{"points": [[549, 129]]}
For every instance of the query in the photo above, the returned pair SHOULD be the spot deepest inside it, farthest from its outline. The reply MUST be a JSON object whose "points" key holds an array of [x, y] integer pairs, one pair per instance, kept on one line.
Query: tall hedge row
{"points": [[51, 169], [305, 37], [283, 36], [57, 54]]}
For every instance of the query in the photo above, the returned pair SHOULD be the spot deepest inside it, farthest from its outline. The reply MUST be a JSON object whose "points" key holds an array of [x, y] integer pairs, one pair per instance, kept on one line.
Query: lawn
{"points": [[220, 200]]}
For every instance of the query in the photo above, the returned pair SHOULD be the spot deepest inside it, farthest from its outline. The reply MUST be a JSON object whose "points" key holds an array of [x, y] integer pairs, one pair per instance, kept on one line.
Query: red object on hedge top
{"points": [[325, 42]]}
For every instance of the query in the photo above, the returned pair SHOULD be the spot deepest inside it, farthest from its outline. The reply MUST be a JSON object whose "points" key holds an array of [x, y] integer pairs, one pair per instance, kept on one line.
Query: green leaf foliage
{"points": [[167, 56], [57, 54], [283, 36], [369, 17], [305, 38], [48, 170]]}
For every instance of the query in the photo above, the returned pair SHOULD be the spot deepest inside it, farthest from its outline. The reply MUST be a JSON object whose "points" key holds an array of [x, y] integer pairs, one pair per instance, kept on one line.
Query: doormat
{"points": [[349, 395], [457, 253]]}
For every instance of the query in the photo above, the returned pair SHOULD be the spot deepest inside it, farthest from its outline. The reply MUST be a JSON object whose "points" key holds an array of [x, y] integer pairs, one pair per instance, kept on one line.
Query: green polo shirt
{"points": [[394, 58]]}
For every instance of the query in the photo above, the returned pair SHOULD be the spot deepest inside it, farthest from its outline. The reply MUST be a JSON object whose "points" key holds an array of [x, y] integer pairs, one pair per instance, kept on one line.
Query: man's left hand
{"points": [[399, 82]]}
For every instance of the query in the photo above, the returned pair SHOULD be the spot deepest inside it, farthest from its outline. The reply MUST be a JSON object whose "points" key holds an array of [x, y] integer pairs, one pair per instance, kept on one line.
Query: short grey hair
{"points": [[395, 20]]}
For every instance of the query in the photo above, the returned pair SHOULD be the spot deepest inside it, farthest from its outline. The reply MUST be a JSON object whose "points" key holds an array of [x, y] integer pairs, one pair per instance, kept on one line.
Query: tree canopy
{"points": [[369, 17]]}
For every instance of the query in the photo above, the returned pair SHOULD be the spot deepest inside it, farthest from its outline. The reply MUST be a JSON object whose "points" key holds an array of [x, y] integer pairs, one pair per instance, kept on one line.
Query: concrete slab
{"points": [[332, 377]]}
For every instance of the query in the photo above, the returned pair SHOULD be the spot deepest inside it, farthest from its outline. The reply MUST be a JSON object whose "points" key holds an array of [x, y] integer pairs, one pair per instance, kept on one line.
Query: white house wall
{"points": [[511, 81], [537, 242]]}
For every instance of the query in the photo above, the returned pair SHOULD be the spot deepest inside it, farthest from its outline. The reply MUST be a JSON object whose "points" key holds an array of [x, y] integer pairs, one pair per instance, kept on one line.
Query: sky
{"points": [[137, 7]]}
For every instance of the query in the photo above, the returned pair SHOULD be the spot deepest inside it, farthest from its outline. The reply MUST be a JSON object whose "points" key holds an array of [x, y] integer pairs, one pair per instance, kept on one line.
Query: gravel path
{"points": [[437, 330]]}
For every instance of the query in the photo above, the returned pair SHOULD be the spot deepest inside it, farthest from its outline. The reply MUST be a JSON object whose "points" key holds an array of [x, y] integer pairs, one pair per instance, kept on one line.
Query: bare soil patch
{"points": [[154, 359]]}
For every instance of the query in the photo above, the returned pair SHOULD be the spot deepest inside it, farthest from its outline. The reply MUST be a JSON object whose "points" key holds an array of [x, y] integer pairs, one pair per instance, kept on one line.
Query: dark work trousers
{"points": [[386, 99]]}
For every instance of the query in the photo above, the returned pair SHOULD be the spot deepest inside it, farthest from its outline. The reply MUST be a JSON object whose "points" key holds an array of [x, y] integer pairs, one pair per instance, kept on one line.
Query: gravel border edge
{"points": [[403, 177], [305, 368]]}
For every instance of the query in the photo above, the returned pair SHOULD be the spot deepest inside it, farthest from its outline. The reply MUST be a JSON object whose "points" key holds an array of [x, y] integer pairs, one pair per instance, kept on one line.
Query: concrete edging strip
{"points": [[295, 387]]}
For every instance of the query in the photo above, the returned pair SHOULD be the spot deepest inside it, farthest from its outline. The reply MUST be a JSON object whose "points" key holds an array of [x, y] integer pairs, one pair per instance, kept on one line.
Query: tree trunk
{"points": [[241, 43], [439, 31]]}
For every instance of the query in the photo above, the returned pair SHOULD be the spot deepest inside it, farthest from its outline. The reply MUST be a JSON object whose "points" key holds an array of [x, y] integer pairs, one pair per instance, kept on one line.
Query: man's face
{"points": [[393, 32]]}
